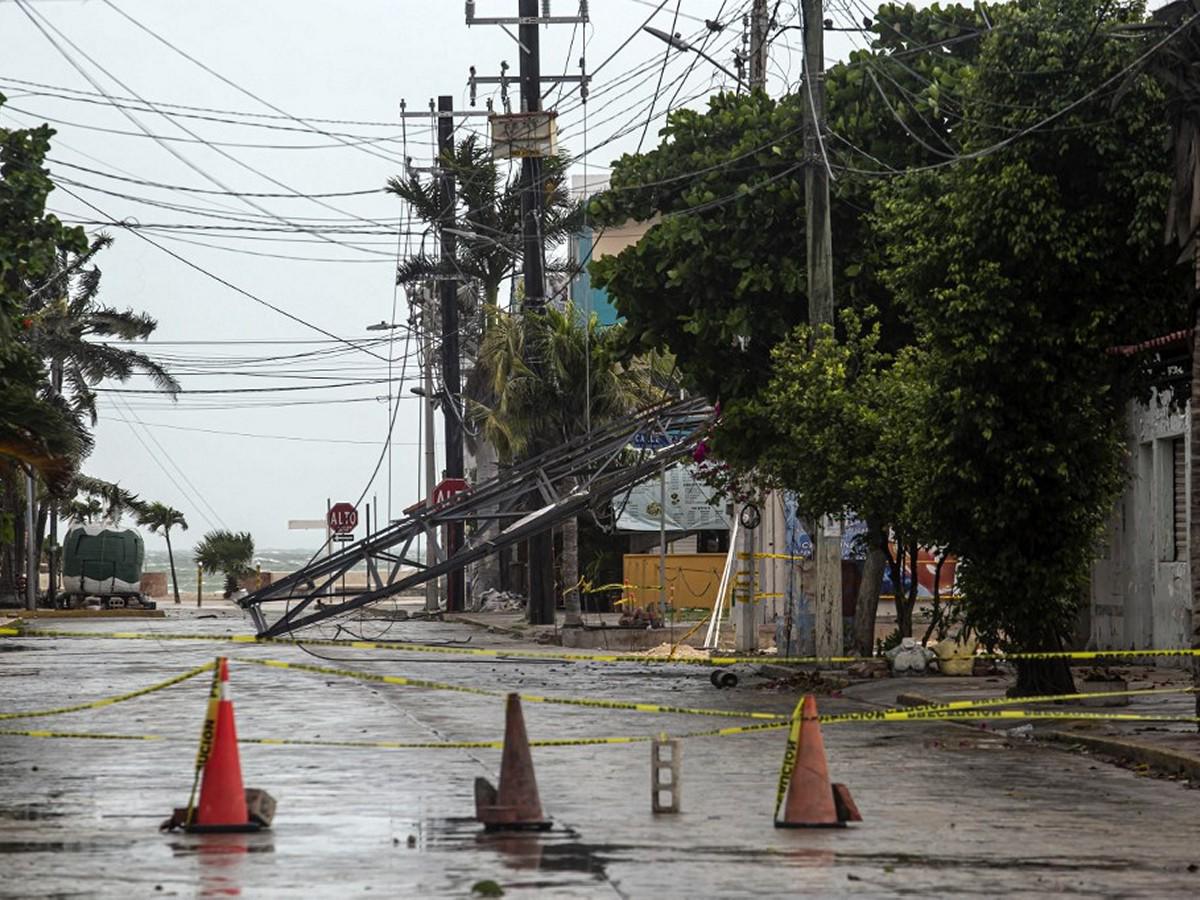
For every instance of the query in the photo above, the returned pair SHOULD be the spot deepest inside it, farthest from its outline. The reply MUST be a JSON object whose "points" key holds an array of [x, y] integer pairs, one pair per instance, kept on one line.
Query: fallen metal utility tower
{"points": [[586, 472]]}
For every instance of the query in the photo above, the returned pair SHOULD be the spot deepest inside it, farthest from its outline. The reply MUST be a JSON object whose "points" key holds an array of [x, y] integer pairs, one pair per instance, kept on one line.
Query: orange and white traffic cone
{"points": [[516, 806], [225, 805], [811, 801]]}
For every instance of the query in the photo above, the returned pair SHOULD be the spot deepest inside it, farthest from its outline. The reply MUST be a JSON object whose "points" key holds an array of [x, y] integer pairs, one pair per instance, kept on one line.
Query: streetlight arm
{"points": [[683, 46]]}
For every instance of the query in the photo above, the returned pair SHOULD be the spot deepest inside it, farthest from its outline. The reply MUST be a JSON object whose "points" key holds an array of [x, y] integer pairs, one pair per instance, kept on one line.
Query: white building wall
{"points": [[1140, 594]]}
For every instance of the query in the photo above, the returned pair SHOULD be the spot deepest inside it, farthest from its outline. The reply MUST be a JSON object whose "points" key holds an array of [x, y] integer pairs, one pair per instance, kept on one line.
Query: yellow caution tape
{"points": [[881, 715], [789, 756], [1049, 698], [427, 648], [208, 733], [81, 735], [527, 698], [562, 657], [109, 701]]}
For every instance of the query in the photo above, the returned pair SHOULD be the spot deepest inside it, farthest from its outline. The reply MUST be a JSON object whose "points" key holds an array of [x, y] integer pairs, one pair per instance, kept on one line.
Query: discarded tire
{"points": [[722, 678]]}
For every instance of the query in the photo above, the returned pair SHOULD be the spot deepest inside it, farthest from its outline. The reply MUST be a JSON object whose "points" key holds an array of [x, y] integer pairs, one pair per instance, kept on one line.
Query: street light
{"points": [[382, 325], [674, 40]]}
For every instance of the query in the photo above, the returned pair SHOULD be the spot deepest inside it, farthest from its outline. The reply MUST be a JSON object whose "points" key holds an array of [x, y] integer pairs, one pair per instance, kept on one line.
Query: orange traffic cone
{"points": [[812, 802], [516, 805], [225, 805]]}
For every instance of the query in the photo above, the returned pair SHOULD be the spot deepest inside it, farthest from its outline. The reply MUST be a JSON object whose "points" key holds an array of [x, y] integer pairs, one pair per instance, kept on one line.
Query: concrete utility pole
{"points": [[541, 546], [452, 410], [431, 586], [745, 613], [827, 535], [759, 23]]}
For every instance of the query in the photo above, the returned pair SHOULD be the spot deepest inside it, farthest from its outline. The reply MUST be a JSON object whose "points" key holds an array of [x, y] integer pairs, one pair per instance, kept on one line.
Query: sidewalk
{"points": [[1165, 748]]}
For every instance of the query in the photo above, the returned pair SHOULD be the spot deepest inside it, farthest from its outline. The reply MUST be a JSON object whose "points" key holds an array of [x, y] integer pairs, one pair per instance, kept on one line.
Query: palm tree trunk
{"points": [[171, 559], [570, 565]]}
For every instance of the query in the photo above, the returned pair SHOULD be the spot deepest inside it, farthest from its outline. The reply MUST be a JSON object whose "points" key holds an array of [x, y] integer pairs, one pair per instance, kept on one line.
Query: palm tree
{"points": [[227, 552], [581, 368], [66, 320], [160, 517], [488, 252]]}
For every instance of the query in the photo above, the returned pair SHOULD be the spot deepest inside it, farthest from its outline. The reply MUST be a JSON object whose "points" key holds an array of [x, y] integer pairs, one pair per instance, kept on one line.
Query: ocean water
{"points": [[185, 566]]}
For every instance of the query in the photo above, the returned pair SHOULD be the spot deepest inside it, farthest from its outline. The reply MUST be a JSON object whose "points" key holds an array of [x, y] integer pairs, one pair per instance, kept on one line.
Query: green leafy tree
{"points": [[36, 434], [160, 517], [841, 413], [1019, 265], [720, 276], [227, 552]]}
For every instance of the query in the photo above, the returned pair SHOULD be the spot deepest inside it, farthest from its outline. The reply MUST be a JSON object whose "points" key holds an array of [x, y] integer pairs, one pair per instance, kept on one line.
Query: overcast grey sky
{"points": [[355, 60]]}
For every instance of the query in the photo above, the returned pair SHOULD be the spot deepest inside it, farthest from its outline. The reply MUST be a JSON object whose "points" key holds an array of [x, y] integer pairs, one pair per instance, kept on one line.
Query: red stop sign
{"points": [[342, 518]]}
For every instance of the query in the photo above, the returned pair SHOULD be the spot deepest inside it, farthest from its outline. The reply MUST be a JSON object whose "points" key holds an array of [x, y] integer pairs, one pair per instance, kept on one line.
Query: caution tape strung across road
{"points": [[425, 648], [109, 701], [526, 698], [592, 703], [880, 716], [1083, 655]]}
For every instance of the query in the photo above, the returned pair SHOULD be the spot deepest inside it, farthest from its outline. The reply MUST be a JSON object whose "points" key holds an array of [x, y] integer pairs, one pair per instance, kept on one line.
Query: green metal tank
{"points": [[102, 560]]}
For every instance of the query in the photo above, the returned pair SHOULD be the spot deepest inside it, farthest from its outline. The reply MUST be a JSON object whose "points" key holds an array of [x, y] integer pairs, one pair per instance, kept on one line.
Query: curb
{"points": [[1161, 760], [1158, 759], [159, 613]]}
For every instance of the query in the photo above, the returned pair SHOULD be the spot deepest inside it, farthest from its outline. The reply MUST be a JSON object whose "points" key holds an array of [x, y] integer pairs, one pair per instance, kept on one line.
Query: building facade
{"points": [[1141, 587]]}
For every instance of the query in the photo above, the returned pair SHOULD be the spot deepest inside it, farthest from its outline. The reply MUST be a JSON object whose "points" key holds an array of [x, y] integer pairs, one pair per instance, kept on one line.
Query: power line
{"points": [[245, 293]]}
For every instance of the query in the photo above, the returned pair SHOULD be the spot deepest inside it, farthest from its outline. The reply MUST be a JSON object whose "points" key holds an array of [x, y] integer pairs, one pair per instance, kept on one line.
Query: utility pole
{"points": [[759, 23], [452, 408], [528, 19], [431, 586], [827, 534], [541, 546]]}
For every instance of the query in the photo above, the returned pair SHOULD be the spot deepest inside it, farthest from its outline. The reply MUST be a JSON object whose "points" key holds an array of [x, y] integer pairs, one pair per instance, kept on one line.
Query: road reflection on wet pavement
{"points": [[944, 810]]}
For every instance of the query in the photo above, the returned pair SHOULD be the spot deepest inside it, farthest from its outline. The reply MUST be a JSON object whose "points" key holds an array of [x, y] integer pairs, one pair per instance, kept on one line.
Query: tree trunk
{"points": [[8, 548], [938, 615], [895, 566], [1047, 677], [866, 604], [171, 559], [54, 555], [570, 567]]}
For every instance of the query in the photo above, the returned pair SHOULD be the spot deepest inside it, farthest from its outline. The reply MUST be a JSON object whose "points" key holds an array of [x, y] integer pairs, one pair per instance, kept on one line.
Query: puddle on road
{"points": [[29, 812], [558, 850]]}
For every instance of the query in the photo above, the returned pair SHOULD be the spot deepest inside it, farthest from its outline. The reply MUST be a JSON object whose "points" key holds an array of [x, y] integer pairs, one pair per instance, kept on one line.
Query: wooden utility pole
{"points": [[451, 382], [827, 534]]}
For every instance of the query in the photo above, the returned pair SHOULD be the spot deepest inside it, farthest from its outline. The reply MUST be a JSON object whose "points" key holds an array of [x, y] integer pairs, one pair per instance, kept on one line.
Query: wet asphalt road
{"points": [[945, 811]]}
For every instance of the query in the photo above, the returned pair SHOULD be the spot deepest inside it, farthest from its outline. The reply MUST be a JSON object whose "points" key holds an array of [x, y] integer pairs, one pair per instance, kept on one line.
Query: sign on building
{"points": [[688, 507]]}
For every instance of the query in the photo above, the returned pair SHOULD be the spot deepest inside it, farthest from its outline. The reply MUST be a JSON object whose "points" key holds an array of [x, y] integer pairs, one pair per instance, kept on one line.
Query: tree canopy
{"points": [[996, 225]]}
